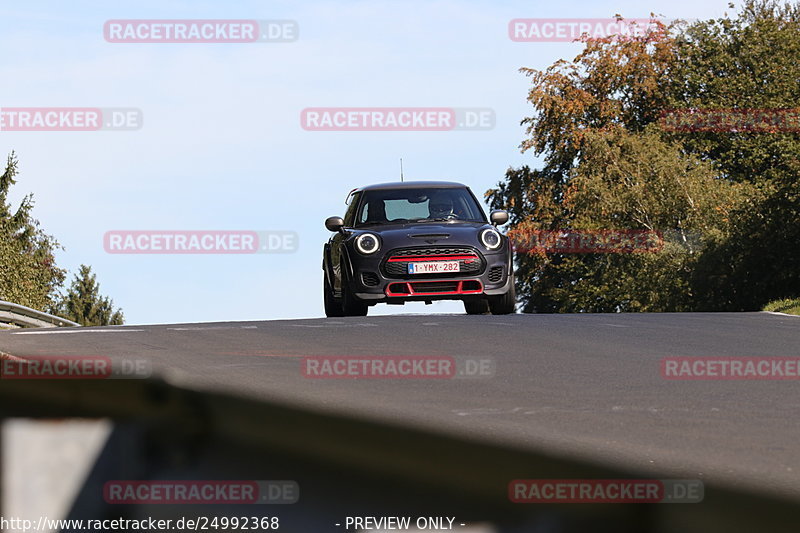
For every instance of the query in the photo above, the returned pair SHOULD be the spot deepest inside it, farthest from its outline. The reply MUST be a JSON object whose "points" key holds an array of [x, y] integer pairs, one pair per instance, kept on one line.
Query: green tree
{"points": [[609, 163], [625, 181], [28, 272], [84, 304], [583, 109], [749, 62], [640, 181]]}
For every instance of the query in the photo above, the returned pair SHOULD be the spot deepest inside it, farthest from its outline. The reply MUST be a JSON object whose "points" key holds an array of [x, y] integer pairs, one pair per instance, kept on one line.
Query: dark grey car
{"points": [[417, 241]]}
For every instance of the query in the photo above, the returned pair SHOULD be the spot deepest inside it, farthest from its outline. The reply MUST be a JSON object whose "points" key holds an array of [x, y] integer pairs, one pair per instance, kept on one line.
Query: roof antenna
{"points": [[401, 170]]}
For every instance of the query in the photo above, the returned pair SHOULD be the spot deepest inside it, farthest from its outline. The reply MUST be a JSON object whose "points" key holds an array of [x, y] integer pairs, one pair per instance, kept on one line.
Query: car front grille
{"points": [[370, 279], [470, 262], [433, 250], [442, 286], [495, 274]]}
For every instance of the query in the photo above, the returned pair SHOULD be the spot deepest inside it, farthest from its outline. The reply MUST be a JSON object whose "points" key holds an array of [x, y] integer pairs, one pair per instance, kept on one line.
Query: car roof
{"points": [[412, 185]]}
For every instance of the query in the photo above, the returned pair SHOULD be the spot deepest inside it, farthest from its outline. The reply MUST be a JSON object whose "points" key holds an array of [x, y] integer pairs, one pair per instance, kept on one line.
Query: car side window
{"points": [[350, 215]]}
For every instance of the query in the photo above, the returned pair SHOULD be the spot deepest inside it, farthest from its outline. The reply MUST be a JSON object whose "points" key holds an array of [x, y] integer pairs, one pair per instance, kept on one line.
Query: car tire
{"points": [[333, 307], [351, 305], [476, 307], [505, 304]]}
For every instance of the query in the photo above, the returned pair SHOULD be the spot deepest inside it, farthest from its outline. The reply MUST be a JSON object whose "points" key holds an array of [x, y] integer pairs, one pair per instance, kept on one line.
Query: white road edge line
{"points": [[780, 314], [209, 328], [69, 331]]}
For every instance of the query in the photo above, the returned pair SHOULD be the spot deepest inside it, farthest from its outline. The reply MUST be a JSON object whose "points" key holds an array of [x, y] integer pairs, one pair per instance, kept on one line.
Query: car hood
{"points": [[428, 234]]}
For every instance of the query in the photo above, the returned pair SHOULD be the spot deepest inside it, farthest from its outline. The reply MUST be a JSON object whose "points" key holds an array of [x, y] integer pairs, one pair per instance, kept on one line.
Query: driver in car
{"points": [[441, 206]]}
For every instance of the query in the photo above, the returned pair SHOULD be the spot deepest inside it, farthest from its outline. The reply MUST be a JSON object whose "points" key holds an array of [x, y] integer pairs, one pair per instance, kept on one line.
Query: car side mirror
{"points": [[498, 217], [334, 223]]}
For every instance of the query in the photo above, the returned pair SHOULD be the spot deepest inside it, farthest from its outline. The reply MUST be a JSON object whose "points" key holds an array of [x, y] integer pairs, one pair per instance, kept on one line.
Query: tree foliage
{"points": [[84, 304], [726, 201], [28, 272]]}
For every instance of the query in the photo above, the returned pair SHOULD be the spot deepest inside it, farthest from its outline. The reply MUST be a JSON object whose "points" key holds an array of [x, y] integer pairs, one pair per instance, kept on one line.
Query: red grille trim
{"points": [[414, 258]]}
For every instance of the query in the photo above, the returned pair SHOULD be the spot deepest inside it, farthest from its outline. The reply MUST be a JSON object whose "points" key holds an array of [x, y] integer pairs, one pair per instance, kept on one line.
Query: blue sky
{"points": [[222, 148]]}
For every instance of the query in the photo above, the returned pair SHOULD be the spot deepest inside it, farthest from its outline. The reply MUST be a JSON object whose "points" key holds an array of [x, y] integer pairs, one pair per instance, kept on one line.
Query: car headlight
{"points": [[368, 243], [491, 239]]}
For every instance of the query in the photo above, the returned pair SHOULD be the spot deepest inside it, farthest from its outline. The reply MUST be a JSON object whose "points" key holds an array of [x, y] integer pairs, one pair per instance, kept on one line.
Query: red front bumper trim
{"points": [[418, 288]]}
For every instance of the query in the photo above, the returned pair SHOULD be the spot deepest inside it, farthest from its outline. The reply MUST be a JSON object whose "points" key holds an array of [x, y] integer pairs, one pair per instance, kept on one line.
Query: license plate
{"points": [[433, 267]]}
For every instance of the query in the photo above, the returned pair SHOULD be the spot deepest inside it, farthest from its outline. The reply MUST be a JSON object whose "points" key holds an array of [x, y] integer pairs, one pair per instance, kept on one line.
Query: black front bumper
{"points": [[377, 279]]}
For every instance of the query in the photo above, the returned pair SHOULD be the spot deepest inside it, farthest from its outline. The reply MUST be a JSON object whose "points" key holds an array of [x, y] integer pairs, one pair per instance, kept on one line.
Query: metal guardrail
{"points": [[166, 429], [21, 316]]}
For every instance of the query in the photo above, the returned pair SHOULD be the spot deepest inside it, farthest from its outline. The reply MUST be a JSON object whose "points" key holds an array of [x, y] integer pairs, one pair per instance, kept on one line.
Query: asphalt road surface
{"points": [[587, 386]]}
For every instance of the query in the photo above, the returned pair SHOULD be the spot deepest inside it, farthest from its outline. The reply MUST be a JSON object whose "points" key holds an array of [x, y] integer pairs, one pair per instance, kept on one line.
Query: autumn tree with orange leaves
{"points": [[609, 163]]}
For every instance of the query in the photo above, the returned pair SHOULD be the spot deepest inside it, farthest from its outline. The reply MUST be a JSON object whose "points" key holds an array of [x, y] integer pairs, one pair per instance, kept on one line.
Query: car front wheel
{"points": [[333, 307], [476, 307], [505, 304], [351, 305]]}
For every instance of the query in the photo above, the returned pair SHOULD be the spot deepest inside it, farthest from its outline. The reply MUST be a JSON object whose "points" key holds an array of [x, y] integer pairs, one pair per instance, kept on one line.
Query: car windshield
{"points": [[393, 206]]}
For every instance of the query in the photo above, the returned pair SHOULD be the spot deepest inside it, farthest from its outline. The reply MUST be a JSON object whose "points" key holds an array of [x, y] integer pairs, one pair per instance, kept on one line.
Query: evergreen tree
{"points": [[28, 272], [84, 304]]}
